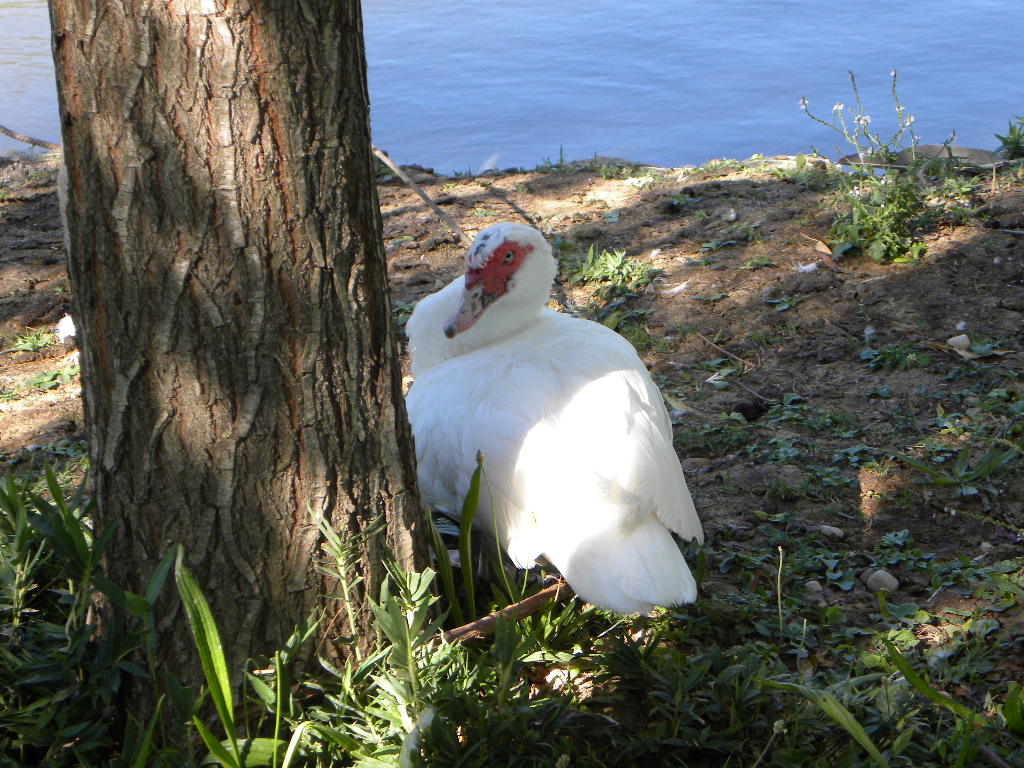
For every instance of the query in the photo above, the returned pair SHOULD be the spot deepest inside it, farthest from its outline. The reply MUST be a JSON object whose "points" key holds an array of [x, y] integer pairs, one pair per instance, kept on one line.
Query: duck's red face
{"points": [[488, 278]]}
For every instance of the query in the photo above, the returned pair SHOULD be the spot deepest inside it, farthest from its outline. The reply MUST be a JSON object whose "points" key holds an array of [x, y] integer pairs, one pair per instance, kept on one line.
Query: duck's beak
{"points": [[475, 301]]}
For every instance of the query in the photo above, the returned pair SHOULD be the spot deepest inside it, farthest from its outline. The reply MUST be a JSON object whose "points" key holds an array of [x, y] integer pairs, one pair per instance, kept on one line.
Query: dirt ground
{"points": [[745, 320]]}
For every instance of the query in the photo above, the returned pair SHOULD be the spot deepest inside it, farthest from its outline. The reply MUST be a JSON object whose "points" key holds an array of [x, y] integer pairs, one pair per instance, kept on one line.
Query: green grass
{"points": [[758, 673]]}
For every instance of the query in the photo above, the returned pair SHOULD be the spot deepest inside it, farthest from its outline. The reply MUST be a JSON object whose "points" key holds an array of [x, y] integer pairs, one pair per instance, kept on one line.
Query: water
{"points": [[28, 96], [461, 85]]}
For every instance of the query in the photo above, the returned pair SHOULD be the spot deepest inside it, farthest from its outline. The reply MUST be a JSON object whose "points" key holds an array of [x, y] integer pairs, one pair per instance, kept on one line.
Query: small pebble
{"points": [[695, 464], [963, 341], [815, 593], [831, 531], [882, 580], [986, 546]]}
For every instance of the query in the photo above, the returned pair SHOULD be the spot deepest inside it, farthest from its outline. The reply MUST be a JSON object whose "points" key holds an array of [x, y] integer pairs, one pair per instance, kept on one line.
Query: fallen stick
{"points": [[489, 624], [28, 139], [992, 757], [746, 365], [384, 158]]}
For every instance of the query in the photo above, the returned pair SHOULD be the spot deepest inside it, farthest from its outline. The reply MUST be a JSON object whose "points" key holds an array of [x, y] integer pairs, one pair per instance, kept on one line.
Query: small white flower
{"points": [[892, 73], [910, 119], [803, 102], [838, 107], [864, 119]]}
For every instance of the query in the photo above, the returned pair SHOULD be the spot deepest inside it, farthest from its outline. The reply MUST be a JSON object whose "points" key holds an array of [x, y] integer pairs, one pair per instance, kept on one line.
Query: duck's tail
{"points": [[626, 571]]}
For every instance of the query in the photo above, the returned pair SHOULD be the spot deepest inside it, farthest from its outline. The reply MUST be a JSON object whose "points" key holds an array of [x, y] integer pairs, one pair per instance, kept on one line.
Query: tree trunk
{"points": [[239, 362]]}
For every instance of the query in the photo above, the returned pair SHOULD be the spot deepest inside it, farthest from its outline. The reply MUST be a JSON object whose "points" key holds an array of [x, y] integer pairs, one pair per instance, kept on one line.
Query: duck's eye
{"points": [[509, 256]]}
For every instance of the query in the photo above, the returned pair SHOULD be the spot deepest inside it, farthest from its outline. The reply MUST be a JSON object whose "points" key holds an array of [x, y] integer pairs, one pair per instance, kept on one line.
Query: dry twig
{"points": [[746, 365], [384, 158], [28, 139], [489, 624]]}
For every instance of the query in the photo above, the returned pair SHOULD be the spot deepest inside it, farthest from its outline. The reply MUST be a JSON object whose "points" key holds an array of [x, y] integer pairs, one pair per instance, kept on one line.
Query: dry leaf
{"points": [[825, 251], [967, 354]]}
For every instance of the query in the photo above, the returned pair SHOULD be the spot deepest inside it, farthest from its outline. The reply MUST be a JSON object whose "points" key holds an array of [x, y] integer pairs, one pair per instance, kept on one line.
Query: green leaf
{"points": [[958, 709], [142, 754], [101, 542], [832, 707], [712, 297], [156, 580], [469, 506], [444, 569], [137, 605], [1013, 708], [264, 691], [758, 262], [218, 754], [208, 643], [900, 742]]}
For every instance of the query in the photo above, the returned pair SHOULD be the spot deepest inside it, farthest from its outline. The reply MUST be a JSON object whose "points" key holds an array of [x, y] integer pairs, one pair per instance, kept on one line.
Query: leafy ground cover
{"points": [[851, 422]]}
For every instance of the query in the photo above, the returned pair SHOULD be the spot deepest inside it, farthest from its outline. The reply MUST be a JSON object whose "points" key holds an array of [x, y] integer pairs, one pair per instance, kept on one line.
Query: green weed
{"points": [[402, 311], [1012, 144], [894, 357], [883, 214], [882, 217], [614, 272], [32, 341]]}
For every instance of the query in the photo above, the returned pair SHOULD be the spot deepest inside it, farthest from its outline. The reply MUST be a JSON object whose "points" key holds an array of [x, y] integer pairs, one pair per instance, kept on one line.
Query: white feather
{"points": [[579, 465]]}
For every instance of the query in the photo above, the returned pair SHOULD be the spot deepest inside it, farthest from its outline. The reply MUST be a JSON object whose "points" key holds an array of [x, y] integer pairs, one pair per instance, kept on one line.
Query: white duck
{"points": [[578, 446]]}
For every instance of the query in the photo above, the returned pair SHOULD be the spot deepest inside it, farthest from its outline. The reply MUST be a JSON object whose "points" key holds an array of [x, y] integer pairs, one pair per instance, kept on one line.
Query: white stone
{"points": [[882, 580], [831, 531], [963, 341]]}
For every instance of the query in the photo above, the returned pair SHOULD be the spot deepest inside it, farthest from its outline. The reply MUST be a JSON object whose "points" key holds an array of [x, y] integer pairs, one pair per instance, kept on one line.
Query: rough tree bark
{"points": [[238, 354]]}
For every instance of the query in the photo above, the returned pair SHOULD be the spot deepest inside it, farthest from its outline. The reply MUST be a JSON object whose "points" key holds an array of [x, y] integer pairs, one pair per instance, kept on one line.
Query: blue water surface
{"points": [[461, 85]]}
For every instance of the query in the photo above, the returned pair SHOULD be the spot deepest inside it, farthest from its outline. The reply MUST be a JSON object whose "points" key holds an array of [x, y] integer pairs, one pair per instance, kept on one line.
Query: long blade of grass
{"points": [[834, 708], [156, 580], [142, 756], [293, 744], [48, 522], [919, 683], [55, 490], [218, 753], [466, 519], [1013, 708], [208, 643], [444, 568]]}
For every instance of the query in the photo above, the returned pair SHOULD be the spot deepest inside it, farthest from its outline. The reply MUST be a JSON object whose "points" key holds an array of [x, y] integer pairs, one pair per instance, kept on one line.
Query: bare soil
{"points": [[814, 428]]}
